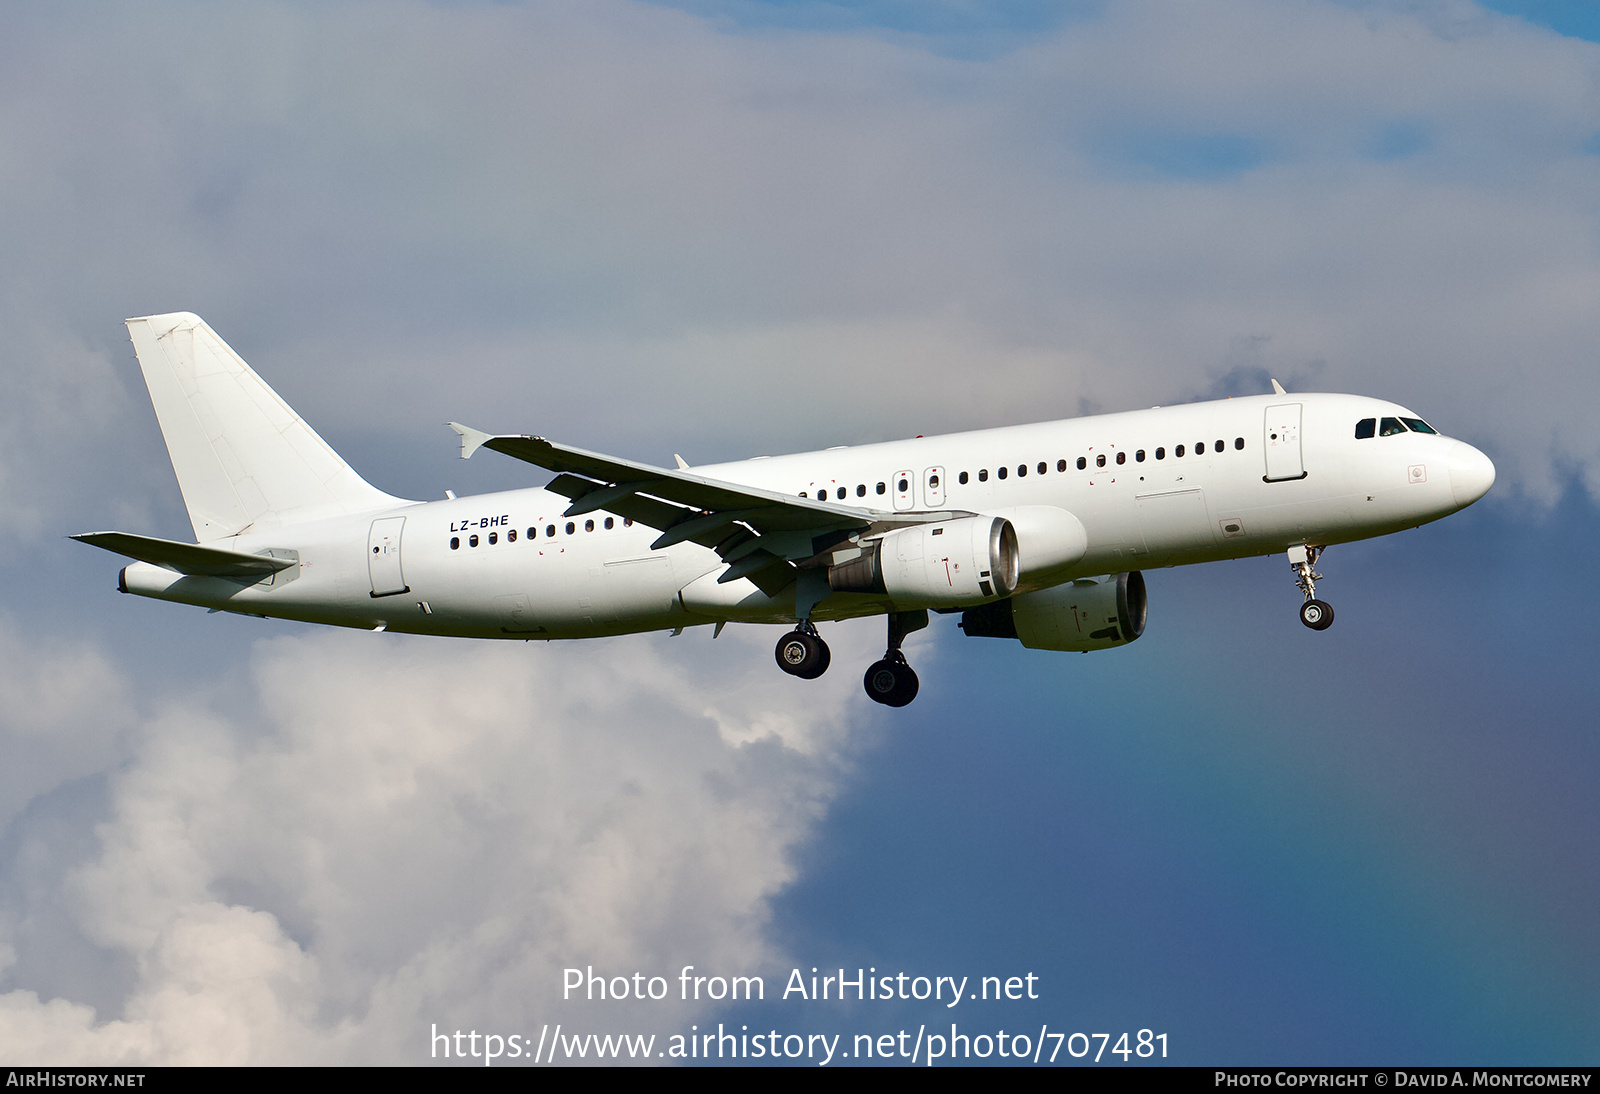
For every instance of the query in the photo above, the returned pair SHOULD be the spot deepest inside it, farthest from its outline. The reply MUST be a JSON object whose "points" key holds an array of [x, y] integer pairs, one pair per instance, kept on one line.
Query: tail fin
{"points": [[243, 457]]}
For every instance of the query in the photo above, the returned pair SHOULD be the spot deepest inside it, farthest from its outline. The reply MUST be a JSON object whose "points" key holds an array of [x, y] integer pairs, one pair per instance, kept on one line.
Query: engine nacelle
{"points": [[1092, 613], [1050, 540], [953, 562]]}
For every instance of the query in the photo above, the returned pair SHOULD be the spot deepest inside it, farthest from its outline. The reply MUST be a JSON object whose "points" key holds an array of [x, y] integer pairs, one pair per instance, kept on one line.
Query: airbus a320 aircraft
{"points": [[1037, 533]]}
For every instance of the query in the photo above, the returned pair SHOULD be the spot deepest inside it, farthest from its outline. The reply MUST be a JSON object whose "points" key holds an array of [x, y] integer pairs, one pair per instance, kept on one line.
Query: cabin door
{"points": [[383, 557], [1281, 438]]}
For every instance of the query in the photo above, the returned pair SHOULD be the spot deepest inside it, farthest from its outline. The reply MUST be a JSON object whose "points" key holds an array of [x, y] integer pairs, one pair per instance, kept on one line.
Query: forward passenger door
{"points": [[1281, 441]]}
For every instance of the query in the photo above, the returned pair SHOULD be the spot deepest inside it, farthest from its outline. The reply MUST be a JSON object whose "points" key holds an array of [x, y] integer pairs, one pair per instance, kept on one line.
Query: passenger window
{"points": [[571, 528], [472, 541], [511, 536], [455, 543], [1022, 470], [1200, 449], [861, 491], [611, 523], [983, 475], [1122, 457], [588, 526], [1043, 467], [1061, 465], [1178, 451], [881, 488], [1419, 426], [1138, 457], [841, 493], [494, 537], [550, 530], [1161, 453], [1082, 463], [1366, 428], [902, 486], [822, 495], [533, 533], [962, 478], [1001, 472], [1238, 442], [1100, 460], [1389, 427], [627, 522]]}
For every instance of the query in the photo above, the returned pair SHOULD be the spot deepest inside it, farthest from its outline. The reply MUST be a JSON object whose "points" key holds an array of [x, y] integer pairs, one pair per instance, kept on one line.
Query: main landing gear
{"points": [[891, 681], [1314, 613], [803, 653]]}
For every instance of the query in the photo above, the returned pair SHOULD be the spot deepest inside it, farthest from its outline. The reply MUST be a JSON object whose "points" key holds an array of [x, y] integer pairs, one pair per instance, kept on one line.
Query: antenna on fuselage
{"points": [[1277, 388]]}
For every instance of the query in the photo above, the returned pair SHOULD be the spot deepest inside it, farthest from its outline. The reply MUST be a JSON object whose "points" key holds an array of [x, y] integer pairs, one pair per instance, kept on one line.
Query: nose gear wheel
{"points": [[1314, 613]]}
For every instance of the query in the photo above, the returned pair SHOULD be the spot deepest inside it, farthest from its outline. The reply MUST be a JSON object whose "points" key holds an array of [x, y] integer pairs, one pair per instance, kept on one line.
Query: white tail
{"points": [[242, 455]]}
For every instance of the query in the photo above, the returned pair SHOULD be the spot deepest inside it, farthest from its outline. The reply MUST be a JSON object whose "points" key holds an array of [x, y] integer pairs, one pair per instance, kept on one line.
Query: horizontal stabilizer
{"points": [[186, 558]]}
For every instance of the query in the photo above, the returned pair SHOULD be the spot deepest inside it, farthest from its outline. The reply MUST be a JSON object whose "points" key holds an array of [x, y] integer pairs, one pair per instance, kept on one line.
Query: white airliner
{"points": [[1034, 532]]}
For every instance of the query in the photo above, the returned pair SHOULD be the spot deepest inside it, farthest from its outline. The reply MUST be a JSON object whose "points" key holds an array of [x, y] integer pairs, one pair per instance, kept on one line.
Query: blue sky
{"points": [[724, 229]]}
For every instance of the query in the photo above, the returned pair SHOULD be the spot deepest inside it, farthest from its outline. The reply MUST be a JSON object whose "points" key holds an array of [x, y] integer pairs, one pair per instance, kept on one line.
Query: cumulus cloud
{"points": [[63, 707], [388, 834]]}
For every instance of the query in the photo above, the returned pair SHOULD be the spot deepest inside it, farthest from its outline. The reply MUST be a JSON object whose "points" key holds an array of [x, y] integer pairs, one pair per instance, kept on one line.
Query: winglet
{"points": [[682, 466], [1277, 388], [471, 439]]}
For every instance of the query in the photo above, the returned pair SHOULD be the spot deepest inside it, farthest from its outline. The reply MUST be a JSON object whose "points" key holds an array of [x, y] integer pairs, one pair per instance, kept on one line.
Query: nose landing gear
{"points": [[891, 681], [1314, 613], [803, 653]]}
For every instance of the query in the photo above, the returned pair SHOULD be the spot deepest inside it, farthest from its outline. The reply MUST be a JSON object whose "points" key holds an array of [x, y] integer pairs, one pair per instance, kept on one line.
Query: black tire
{"points": [[825, 660], [804, 655], [891, 683], [1317, 614]]}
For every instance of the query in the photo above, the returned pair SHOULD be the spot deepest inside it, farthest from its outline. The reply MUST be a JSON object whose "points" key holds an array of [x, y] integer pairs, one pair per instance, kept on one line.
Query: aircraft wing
{"points": [[186, 558], [762, 534]]}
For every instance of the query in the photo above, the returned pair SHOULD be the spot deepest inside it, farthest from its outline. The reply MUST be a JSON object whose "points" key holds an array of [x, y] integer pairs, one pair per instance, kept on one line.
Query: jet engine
{"points": [[1050, 541], [1091, 613], [954, 562]]}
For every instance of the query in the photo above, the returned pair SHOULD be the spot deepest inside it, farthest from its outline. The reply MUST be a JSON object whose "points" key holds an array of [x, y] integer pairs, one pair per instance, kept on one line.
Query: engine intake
{"points": [[1093, 613], [954, 562]]}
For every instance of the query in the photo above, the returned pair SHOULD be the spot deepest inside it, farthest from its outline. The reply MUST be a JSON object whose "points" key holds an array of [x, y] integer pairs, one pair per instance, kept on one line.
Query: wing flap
{"points": [[185, 558]]}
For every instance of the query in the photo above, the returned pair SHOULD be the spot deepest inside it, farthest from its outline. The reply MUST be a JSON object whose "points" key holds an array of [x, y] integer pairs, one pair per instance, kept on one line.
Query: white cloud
{"points": [[63, 706], [393, 833]]}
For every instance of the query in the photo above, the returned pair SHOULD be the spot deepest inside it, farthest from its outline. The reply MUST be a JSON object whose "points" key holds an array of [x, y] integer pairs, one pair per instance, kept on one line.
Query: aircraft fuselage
{"points": [[1167, 486]]}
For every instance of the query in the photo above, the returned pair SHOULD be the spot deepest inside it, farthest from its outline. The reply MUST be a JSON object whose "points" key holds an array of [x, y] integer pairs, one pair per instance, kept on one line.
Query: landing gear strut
{"points": [[891, 681], [1314, 613], [803, 653]]}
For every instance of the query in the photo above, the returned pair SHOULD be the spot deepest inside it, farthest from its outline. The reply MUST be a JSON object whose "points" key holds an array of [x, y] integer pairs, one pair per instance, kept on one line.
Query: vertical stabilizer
{"points": [[243, 457]]}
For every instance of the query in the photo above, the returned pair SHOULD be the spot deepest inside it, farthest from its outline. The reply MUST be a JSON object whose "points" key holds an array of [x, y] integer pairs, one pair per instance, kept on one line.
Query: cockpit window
{"points": [[1365, 428], [1389, 427], [1419, 426]]}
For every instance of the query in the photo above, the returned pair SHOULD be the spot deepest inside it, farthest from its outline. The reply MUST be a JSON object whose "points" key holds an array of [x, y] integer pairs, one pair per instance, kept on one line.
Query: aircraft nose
{"points": [[1471, 474]]}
